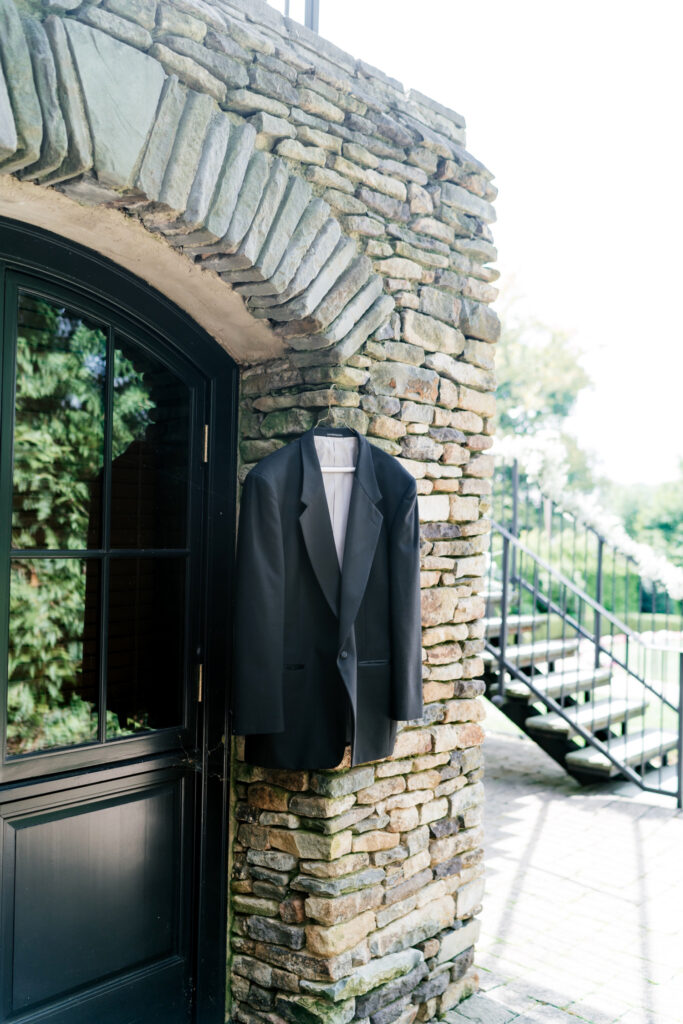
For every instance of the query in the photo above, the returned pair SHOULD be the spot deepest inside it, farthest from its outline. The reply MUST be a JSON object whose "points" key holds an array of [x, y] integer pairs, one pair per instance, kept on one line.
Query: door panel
{"points": [[104, 555], [99, 881]]}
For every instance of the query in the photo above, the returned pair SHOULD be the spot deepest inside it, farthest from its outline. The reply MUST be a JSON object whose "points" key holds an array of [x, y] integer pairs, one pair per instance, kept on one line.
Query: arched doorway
{"points": [[116, 529]]}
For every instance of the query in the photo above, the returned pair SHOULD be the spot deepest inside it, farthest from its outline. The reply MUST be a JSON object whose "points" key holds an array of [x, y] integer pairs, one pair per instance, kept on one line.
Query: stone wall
{"points": [[353, 223]]}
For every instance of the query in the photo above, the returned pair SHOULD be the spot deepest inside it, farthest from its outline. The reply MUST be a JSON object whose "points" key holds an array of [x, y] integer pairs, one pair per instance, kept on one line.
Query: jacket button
{"points": [[344, 654]]}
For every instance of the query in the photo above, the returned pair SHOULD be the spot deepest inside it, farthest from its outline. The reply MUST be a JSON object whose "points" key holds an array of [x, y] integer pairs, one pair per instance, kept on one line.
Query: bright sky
{"points": [[576, 110]]}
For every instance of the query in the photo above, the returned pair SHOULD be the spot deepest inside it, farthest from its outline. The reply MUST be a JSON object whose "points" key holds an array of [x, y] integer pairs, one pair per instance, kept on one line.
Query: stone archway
{"points": [[104, 122], [327, 228]]}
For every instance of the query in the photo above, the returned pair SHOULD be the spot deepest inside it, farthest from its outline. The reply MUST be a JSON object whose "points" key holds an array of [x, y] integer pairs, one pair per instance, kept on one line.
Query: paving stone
{"points": [[479, 1010], [161, 138], [23, 97], [187, 150], [54, 145], [119, 129]]}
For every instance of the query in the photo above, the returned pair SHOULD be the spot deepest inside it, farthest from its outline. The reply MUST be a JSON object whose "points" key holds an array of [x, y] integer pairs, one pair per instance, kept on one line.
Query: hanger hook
{"points": [[328, 413]]}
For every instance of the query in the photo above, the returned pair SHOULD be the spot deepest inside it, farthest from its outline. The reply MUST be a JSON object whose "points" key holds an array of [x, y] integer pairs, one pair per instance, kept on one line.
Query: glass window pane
{"points": [[53, 653], [146, 644], [150, 452], [58, 427]]}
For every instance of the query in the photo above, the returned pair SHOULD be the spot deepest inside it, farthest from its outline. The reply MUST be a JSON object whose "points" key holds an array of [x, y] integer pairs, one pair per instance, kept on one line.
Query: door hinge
{"points": [[200, 683], [206, 442]]}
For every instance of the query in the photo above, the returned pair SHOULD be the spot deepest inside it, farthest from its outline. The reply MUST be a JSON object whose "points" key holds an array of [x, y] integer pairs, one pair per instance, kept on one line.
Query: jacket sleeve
{"points": [[258, 621], [406, 617]]}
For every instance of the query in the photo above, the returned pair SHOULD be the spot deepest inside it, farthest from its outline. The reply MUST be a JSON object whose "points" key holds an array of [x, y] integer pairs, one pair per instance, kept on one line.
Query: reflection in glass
{"points": [[146, 644], [58, 427], [150, 452], [53, 653]]}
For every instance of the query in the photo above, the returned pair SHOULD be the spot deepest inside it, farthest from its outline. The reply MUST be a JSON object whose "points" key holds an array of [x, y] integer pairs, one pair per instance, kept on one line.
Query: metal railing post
{"points": [[312, 14], [679, 794], [598, 598], [514, 526], [499, 698]]}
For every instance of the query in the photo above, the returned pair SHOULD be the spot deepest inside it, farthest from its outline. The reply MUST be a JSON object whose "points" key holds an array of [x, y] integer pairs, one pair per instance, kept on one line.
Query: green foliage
{"points": [[58, 460], [653, 513], [539, 377]]}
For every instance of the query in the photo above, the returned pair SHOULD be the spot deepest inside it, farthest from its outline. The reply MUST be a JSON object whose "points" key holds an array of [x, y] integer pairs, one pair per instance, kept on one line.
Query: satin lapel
{"points": [[362, 533], [316, 526], [319, 540]]}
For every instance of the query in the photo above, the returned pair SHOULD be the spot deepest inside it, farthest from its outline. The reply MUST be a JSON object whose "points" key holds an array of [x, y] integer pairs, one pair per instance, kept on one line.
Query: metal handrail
{"points": [[525, 507], [512, 546], [594, 638], [598, 608]]}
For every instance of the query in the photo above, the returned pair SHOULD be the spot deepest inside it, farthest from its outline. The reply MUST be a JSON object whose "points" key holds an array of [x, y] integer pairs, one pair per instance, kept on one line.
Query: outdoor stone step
{"points": [[494, 625], [632, 749], [521, 655], [559, 683], [592, 715], [494, 595]]}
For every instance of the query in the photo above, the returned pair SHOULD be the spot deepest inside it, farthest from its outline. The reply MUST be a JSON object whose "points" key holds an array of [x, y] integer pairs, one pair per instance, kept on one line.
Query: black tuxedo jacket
{"points": [[325, 657]]}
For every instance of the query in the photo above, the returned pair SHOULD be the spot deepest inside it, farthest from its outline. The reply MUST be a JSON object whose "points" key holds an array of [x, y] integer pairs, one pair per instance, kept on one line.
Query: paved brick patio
{"points": [[583, 909]]}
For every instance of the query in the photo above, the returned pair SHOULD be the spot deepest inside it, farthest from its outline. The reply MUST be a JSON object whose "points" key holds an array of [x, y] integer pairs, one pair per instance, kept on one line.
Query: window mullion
{"points": [[106, 531]]}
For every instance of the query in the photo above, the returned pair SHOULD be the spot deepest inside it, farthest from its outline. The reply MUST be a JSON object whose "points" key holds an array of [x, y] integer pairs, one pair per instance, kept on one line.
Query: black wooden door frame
{"points": [[32, 250]]}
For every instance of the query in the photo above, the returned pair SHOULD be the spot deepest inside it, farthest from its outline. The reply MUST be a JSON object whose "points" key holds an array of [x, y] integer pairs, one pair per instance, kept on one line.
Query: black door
{"points": [[114, 557]]}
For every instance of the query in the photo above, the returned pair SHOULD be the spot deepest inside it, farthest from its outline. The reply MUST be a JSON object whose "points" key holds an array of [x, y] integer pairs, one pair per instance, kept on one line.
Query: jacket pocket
{"points": [[373, 661]]}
